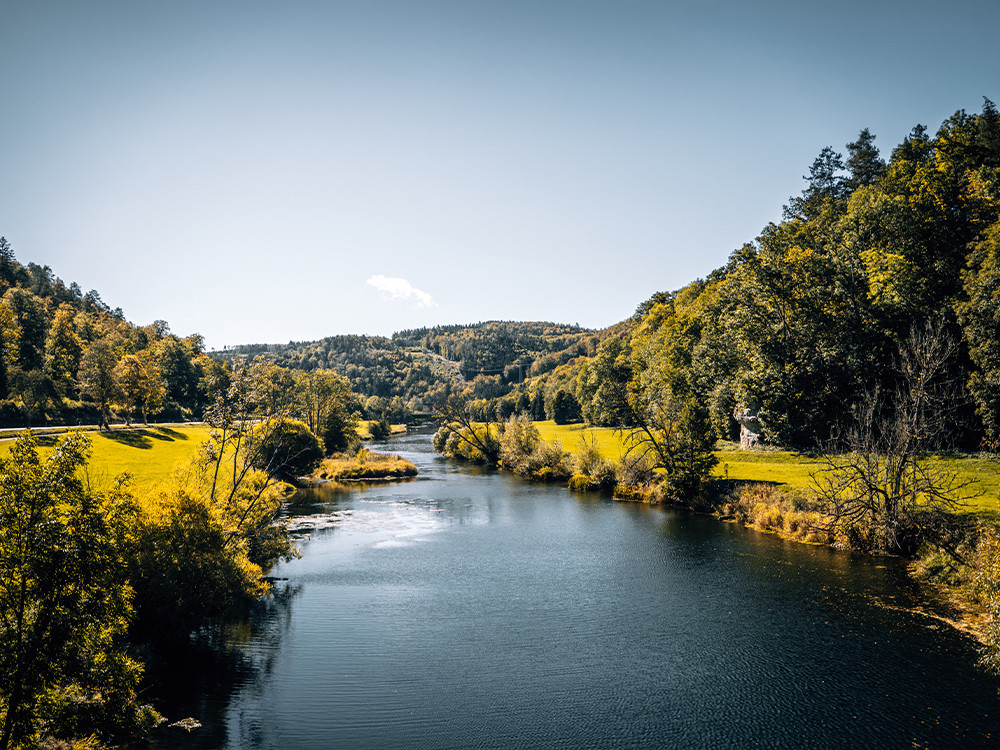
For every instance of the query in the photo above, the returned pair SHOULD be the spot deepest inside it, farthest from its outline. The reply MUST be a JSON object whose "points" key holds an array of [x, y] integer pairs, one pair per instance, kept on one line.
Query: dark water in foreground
{"points": [[468, 609]]}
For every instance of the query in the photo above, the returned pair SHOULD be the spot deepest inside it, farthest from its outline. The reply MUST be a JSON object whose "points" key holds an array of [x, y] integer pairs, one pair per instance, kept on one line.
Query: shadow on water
{"points": [[197, 679]]}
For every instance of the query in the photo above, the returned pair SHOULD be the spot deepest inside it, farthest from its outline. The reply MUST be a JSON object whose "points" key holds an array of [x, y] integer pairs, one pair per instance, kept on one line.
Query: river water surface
{"points": [[470, 609]]}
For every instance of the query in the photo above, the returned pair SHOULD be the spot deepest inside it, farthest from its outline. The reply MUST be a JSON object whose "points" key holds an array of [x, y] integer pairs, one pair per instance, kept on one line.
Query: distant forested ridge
{"points": [[801, 326], [423, 366], [66, 356]]}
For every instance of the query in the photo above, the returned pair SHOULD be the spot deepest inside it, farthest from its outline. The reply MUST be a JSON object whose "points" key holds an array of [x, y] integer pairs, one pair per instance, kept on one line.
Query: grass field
{"points": [[788, 468], [148, 454]]}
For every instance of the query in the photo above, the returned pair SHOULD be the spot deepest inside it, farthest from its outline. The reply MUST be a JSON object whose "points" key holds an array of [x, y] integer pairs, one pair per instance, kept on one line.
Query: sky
{"points": [[261, 172]]}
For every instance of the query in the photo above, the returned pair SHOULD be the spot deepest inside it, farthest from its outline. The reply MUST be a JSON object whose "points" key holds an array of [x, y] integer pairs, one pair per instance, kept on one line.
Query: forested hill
{"points": [[882, 279], [66, 356], [880, 271], [422, 365]]}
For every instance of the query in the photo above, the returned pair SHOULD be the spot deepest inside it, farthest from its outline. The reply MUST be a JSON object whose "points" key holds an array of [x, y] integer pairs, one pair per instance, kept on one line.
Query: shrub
{"points": [[634, 471], [458, 442], [380, 430], [565, 408], [517, 444], [582, 483], [287, 449]]}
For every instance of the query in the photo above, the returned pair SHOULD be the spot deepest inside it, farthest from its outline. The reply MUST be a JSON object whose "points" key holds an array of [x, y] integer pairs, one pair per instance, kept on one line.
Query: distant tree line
{"points": [[423, 367]]}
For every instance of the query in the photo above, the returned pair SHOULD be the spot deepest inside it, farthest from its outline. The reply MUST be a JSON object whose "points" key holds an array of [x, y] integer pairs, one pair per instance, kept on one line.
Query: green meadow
{"points": [[789, 469], [148, 454]]}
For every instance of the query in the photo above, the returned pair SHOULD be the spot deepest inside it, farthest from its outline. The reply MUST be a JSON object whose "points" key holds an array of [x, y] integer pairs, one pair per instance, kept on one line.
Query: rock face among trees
{"points": [[749, 427]]}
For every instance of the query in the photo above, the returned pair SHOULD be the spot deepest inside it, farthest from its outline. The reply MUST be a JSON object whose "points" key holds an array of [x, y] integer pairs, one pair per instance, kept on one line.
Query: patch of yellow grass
{"points": [[364, 465], [148, 454], [790, 469]]}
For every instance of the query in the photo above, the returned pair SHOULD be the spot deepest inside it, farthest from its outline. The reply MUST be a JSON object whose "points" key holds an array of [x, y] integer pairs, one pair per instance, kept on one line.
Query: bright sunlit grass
{"points": [[148, 454], [788, 468]]}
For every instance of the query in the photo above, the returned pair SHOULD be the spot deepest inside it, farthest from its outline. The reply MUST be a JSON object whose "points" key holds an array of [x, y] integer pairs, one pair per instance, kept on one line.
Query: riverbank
{"points": [[775, 492]]}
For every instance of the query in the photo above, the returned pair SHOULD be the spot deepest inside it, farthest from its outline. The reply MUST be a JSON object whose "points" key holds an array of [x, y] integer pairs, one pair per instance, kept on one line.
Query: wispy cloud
{"points": [[393, 289]]}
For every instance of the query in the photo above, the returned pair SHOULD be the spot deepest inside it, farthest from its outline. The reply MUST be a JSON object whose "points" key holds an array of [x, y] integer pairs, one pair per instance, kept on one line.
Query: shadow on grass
{"points": [[142, 437], [131, 438], [165, 433]]}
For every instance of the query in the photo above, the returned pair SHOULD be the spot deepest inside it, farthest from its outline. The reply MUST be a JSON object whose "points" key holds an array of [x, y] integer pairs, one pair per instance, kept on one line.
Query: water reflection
{"points": [[197, 679], [472, 609]]}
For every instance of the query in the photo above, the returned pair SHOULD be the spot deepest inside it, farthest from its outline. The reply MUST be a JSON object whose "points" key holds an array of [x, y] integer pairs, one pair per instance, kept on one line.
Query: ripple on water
{"points": [[475, 610]]}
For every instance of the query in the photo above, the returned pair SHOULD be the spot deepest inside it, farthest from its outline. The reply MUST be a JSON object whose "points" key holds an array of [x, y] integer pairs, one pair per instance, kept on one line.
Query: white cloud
{"points": [[393, 289]]}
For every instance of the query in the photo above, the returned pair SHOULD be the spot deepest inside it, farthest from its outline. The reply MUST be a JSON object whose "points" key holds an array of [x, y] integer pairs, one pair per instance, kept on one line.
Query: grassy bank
{"points": [[789, 470], [148, 454]]}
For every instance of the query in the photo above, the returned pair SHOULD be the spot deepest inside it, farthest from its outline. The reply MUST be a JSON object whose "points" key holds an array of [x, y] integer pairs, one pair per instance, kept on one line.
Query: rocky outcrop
{"points": [[750, 432]]}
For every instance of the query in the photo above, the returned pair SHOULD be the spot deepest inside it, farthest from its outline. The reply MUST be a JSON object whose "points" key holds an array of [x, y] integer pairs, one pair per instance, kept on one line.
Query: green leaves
{"points": [[64, 597]]}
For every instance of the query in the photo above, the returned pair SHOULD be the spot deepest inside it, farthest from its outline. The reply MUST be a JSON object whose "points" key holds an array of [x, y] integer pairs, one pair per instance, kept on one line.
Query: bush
{"points": [[582, 483], [518, 442], [523, 452], [550, 463], [634, 471], [380, 430], [458, 442], [288, 449], [565, 408]]}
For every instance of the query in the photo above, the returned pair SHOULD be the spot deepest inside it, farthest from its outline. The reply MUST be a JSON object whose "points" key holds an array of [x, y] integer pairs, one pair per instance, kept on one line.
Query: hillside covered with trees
{"points": [[67, 357], [815, 318], [416, 369]]}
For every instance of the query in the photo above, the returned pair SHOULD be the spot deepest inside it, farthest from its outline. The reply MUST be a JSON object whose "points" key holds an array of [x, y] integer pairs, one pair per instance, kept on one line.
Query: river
{"points": [[470, 609]]}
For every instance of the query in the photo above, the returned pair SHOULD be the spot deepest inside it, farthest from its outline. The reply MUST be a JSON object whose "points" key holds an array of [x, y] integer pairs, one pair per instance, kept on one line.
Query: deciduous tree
{"points": [[64, 598]]}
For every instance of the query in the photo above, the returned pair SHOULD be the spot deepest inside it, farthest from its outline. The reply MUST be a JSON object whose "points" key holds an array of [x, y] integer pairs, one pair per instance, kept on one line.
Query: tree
{"points": [[63, 350], [863, 161], [466, 437], [64, 597], [288, 449], [980, 318], [565, 408], [139, 385], [31, 324], [340, 429], [214, 530], [876, 482], [825, 185], [537, 405], [97, 377], [602, 387], [174, 357], [36, 391], [318, 394]]}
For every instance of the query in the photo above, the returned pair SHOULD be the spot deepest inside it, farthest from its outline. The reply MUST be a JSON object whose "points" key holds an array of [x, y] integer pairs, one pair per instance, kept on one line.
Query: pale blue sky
{"points": [[267, 171]]}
